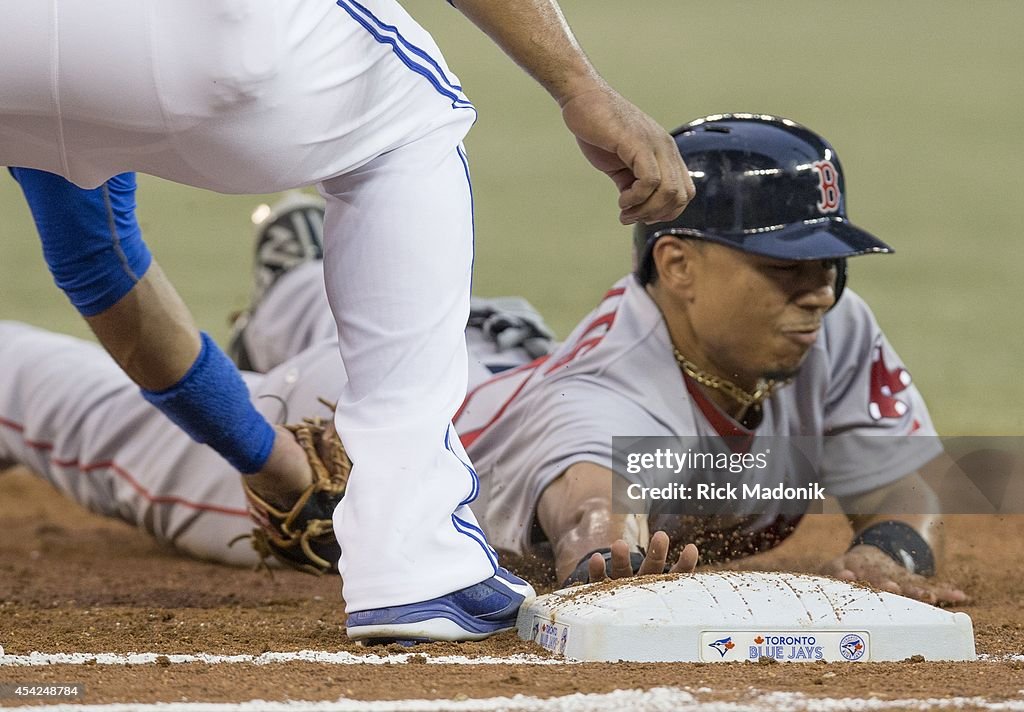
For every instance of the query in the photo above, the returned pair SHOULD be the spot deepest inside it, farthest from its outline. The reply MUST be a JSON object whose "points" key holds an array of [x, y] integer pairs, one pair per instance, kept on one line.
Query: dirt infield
{"points": [[71, 582]]}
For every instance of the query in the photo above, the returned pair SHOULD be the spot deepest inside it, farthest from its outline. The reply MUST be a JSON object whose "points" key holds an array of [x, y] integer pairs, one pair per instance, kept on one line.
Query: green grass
{"points": [[922, 99]]}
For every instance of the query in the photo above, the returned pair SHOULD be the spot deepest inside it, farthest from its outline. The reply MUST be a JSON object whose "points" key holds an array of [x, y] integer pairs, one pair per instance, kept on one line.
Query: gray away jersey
{"points": [[616, 376]]}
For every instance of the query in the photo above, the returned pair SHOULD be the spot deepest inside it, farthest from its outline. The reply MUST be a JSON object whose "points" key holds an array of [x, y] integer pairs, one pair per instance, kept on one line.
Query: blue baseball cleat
{"points": [[472, 613]]}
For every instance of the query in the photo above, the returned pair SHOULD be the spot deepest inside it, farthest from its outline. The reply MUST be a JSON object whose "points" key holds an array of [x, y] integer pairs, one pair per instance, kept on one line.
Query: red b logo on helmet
{"points": [[828, 184]]}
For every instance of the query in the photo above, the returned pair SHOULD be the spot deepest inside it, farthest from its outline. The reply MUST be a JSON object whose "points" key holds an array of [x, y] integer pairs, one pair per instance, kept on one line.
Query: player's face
{"points": [[757, 317]]}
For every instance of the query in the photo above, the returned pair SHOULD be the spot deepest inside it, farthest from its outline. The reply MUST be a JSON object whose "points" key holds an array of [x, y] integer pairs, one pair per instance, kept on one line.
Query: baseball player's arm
{"points": [[615, 136], [152, 336], [93, 246], [149, 332], [897, 552], [575, 512]]}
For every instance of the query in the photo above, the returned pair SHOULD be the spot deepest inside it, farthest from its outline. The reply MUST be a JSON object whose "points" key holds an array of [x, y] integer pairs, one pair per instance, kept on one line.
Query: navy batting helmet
{"points": [[765, 185]]}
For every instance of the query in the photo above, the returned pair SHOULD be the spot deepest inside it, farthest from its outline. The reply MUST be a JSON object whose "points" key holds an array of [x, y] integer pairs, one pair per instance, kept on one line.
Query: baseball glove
{"points": [[302, 536]]}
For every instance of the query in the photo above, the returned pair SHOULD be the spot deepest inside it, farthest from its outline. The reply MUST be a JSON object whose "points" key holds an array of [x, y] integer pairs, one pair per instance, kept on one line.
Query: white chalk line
{"points": [[985, 657], [659, 699], [38, 659]]}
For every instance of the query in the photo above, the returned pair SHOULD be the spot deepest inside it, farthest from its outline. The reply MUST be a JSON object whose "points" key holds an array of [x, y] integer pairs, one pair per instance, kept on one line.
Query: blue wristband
{"points": [[211, 403], [91, 239]]}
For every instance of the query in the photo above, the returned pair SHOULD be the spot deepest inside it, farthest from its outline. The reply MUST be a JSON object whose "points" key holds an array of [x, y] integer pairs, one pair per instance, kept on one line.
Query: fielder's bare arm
{"points": [[615, 136]]}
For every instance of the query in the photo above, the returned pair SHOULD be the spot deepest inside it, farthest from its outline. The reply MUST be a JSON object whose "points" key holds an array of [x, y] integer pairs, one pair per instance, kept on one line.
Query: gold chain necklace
{"points": [[746, 399]]}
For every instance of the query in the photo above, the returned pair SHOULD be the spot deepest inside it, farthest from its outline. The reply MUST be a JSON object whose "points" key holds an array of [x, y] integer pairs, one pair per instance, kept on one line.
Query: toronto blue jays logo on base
{"points": [[852, 647], [795, 645], [723, 645]]}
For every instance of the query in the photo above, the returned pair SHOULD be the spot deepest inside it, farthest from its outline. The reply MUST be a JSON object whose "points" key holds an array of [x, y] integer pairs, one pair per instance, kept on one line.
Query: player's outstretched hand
{"points": [[634, 151], [870, 565], [654, 562], [286, 474]]}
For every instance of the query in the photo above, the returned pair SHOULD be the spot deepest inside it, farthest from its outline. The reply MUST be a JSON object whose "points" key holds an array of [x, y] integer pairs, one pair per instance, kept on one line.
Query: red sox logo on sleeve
{"points": [[828, 184], [886, 383]]}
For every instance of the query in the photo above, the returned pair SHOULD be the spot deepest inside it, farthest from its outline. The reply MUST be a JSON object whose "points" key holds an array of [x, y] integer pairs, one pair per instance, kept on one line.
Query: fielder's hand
{"points": [[287, 472], [654, 562], [868, 564], [634, 151], [300, 533]]}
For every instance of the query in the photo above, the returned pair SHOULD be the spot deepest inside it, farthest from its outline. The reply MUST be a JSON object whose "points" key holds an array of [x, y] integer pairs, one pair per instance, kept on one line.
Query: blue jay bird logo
{"points": [[723, 645], [852, 647]]}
